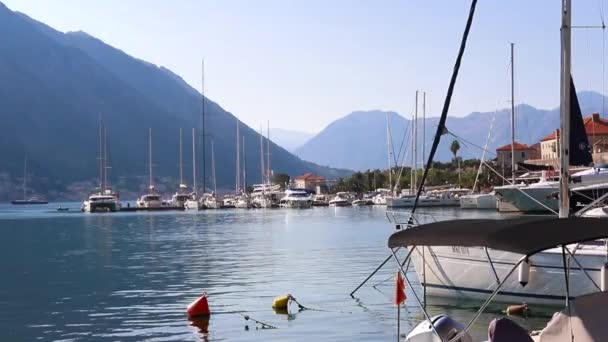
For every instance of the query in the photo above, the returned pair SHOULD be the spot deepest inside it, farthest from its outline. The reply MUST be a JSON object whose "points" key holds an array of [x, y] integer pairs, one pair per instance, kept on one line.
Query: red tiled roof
{"points": [[551, 136], [310, 177], [594, 125], [518, 147]]}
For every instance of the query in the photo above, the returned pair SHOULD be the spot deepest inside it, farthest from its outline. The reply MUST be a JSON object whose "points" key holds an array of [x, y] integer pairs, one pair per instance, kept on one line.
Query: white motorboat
{"points": [[296, 198], [340, 200], [478, 201]]}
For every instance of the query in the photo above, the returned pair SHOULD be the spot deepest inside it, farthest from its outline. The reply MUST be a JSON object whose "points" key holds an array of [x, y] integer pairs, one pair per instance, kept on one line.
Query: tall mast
{"points": [[181, 162], [100, 154], [244, 167], [203, 132], [238, 158], [105, 158], [194, 164], [150, 158], [213, 168], [416, 144], [268, 155], [25, 178], [262, 158], [564, 180], [390, 155], [512, 116], [423, 129]]}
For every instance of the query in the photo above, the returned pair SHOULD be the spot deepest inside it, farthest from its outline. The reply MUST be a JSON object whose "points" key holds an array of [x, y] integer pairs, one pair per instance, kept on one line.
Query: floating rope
{"points": [[302, 307], [262, 324]]}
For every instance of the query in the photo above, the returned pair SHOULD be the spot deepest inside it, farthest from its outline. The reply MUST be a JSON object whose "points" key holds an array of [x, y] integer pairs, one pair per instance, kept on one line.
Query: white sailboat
{"points": [[152, 199], [25, 200], [210, 201], [473, 272], [193, 203], [181, 196], [241, 199], [104, 199]]}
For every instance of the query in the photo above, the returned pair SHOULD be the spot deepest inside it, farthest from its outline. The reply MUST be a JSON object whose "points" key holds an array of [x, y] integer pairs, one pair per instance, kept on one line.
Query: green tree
{"points": [[281, 178], [454, 147]]}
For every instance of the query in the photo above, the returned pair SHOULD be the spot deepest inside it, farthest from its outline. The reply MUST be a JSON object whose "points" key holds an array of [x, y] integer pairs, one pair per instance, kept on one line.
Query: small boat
{"points": [[63, 209]]}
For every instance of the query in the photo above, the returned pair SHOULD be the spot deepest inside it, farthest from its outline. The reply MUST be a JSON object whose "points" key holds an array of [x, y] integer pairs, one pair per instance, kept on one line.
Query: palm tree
{"points": [[454, 147]]}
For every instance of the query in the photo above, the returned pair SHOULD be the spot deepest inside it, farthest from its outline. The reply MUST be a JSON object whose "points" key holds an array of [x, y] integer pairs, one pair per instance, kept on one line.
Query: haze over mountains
{"points": [[358, 140], [289, 139], [53, 88]]}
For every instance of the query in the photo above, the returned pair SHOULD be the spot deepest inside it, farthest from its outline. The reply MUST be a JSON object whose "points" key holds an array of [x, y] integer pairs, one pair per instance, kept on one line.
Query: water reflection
{"points": [[130, 276]]}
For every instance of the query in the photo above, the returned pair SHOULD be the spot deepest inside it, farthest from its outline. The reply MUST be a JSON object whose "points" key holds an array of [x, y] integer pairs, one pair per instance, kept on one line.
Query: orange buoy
{"points": [[199, 307]]}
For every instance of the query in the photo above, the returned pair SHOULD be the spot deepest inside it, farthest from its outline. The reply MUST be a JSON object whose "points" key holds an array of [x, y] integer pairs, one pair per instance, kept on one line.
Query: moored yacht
{"points": [[103, 199], [296, 198], [478, 201], [26, 200], [434, 198], [152, 199], [340, 200]]}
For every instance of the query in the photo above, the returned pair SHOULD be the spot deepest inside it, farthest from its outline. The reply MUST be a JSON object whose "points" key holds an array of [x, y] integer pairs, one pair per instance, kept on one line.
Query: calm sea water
{"points": [[129, 276]]}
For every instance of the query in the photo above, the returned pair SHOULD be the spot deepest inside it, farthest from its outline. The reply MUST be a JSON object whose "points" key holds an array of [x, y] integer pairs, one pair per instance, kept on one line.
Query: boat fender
{"points": [[199, 307], [521, 309], [604, 277], [281, 302], [524, 273]]}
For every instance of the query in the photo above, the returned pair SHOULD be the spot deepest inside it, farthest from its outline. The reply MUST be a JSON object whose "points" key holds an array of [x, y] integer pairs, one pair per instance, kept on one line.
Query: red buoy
{"points": [[199, 307]]}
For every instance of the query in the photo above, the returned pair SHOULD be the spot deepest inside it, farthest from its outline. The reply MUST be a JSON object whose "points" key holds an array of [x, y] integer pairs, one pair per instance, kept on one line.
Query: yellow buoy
{"points": [[281, 302]]}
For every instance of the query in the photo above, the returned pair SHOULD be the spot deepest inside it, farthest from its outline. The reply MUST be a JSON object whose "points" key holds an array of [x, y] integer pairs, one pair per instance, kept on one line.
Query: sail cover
{"points": [[522, 235], [580, 152]]}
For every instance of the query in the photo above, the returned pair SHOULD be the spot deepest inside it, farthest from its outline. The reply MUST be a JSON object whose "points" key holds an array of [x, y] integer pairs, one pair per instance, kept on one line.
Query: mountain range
{"points": [[289, 139], [358, 141], [55, 86]]}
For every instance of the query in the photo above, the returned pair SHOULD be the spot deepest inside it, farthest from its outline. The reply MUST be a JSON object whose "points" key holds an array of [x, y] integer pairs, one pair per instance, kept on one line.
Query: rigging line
{"points": [[466, 142], [520, 190], [483, 155], [446, 105]]}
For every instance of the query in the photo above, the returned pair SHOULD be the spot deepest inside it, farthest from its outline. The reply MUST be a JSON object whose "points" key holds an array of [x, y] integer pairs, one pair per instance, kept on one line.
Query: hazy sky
{"points": [[303, 64]]}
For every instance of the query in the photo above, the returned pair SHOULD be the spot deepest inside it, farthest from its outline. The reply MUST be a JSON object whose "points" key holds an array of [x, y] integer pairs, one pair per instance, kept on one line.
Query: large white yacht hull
{"points": [[478, 201], [424, 201], [105, 206], [466, 273], [192, 205], [297, 204]]}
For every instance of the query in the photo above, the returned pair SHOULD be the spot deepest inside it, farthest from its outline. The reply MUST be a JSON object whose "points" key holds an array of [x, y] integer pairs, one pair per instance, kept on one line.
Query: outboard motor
{"points": [[445, 326]]}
